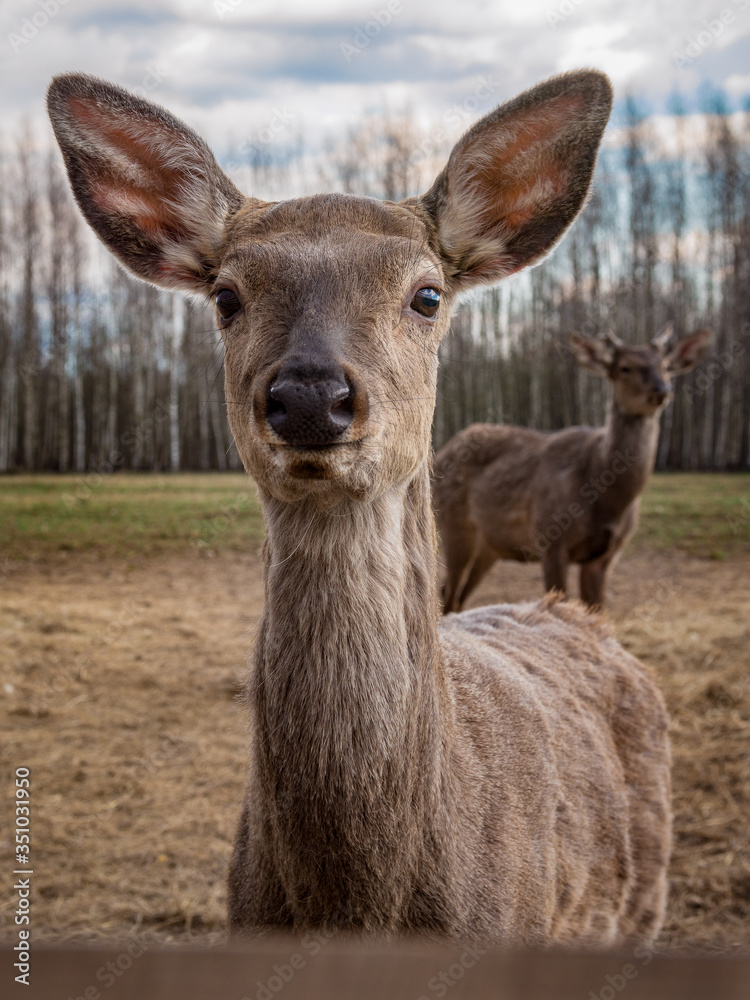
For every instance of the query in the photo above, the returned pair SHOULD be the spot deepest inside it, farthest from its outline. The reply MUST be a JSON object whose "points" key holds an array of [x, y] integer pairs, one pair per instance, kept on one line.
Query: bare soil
{"points": [[119, 686]]}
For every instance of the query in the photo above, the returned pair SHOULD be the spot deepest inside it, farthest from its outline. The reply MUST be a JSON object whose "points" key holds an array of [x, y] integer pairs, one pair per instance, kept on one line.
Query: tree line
{"points": [[99, 370]]}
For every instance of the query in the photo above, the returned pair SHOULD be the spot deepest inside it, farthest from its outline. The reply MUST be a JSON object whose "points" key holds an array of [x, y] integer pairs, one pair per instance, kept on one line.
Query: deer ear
{"points": [[148, 186], [689, 351], [518, 178], [661, 341], [592, 353]]}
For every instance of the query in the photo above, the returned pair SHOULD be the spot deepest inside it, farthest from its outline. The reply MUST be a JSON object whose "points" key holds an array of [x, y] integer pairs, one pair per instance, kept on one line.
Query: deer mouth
{"points": [[658, 399], [343, 469], [323, 461], [309, 470]]}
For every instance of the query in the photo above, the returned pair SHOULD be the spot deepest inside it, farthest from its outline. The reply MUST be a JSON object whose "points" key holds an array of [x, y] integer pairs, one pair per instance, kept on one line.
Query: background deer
{"points": [[570, 496], [506, 776]]}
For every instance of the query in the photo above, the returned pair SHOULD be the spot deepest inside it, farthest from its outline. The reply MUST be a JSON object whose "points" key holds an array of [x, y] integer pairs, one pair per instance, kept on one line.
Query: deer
{"points": [[561, 497], [501, 775]]}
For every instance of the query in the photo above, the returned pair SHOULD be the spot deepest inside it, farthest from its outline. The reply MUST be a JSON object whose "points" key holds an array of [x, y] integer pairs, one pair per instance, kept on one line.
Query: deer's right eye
{"points": [[625, 369], [228, 304], [426, 301]]}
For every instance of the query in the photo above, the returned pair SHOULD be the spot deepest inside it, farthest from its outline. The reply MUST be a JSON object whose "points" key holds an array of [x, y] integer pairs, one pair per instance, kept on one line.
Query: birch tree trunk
{"points": [[178, 333], [28, 229]]}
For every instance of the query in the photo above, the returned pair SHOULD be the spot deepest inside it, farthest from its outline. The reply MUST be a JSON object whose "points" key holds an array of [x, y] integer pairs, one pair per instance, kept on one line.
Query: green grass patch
{"points": [[132, 514], [127, 514], [704, 513]]}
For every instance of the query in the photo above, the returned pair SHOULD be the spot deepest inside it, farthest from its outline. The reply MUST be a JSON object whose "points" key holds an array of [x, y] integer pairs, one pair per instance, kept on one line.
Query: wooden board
{"points": [[313, 968]]}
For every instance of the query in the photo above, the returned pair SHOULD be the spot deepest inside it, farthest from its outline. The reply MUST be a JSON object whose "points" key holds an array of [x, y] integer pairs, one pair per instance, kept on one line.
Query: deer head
{"points": [[331, 307], [641, 376]]}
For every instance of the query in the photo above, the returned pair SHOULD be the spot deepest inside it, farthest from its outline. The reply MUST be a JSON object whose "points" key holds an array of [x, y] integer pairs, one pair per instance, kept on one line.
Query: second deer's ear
{"points": [[518, 178], [687, 352], [148, 186], [592, 353]]}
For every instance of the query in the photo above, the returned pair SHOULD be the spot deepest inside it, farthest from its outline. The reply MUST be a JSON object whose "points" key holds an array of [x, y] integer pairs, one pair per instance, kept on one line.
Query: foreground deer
{"points": [[504, 777], [571, 496]]}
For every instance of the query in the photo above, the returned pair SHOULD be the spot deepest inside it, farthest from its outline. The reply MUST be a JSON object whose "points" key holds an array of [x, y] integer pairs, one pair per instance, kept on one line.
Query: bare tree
{"points": [[28, 318], [57, 436], [8, 393]]}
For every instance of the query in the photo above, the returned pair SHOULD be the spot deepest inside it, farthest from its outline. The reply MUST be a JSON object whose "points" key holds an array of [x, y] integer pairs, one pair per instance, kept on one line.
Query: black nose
{"points": [[660, 391], [310, 405]]}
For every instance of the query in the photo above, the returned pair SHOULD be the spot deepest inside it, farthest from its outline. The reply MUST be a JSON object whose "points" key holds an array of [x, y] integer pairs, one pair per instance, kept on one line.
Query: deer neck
{"points": [[348, 697], [626, 456]]}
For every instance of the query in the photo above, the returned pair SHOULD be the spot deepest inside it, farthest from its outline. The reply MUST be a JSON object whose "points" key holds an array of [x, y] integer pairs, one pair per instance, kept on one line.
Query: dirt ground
{"points": [[119, 685]]}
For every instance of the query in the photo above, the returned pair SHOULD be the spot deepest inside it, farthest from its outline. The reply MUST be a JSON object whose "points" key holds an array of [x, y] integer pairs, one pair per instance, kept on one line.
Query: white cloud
{"points": [[227, 75], [738, 84]]}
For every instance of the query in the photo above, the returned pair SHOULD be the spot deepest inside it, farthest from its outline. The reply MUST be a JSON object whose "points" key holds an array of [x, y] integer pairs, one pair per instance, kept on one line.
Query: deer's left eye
{"points": [[228, 304], [426, 301]]}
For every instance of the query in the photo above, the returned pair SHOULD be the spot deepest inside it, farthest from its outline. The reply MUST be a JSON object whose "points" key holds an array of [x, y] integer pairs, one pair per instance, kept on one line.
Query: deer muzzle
{"points": [[310, 404]]}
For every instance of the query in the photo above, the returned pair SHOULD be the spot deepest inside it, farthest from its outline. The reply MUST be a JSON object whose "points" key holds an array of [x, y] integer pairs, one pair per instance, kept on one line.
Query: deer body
{"points": [[562, 497], [504, 775], [406, 778]]}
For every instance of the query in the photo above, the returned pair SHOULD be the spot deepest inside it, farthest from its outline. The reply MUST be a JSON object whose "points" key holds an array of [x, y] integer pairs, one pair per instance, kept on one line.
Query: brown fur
{"points": [[571, 496], [502, 777]]}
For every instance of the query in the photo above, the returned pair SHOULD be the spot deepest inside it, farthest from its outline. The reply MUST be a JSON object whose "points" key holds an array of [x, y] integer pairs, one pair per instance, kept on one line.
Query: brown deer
{"points": [[569, 496], [504, 776]]}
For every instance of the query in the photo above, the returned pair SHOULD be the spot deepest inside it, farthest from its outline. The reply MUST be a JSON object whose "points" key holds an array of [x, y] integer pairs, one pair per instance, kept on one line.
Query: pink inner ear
{"points": [[135, 178], [143, 141], [507, 209], [147, 213], [539, 127], [131, 177], [513, 205], [522, 174]]}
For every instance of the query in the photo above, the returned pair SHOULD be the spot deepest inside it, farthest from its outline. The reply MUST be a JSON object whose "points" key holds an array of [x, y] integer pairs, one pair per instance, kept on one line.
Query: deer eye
{"points": [[228, 304], [625, 369], [426, 301]]}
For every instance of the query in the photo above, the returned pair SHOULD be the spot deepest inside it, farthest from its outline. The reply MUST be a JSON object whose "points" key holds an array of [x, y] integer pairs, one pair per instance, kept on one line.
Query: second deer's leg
{"points": [[555, 568], [594, 581], [483, 559], [458, 547]]}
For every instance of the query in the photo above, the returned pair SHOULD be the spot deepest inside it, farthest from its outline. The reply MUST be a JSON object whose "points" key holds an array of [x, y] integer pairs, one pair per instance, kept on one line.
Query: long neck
{"points": [[626, 456], [349, 699]]}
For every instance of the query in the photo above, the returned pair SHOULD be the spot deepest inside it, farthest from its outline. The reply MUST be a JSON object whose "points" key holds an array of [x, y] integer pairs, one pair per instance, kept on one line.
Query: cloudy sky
{"points": [[232, 68]]}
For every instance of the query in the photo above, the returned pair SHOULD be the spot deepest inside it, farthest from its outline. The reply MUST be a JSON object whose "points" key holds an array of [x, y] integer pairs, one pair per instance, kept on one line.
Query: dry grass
{"points": [[118, 690], [698, 645], [119, 695]]}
